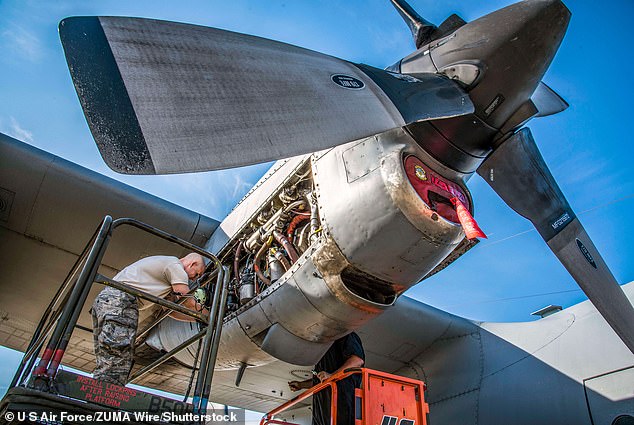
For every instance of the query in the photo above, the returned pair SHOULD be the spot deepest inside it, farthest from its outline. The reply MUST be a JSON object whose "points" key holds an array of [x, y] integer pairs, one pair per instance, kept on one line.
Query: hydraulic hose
{"points": [[256, 263], [236, 260], [279, 255], [282, 240], [294, 223], [314, 218]]}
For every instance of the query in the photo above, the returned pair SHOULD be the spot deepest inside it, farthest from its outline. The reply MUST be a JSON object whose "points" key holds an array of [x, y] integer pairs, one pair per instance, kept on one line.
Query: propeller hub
{"points": [[500, 58]]}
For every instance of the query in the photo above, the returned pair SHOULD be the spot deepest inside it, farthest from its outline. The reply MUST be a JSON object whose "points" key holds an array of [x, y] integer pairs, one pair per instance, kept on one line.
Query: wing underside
{"points": [[50, 209]]}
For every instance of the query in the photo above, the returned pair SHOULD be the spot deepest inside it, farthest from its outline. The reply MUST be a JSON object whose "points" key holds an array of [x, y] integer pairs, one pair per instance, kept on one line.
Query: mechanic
{"points": [[115, 313], [346, 352]]}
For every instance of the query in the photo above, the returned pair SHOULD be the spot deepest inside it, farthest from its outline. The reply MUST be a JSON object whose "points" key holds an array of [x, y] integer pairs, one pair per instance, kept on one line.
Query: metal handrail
{"points": [[65, 320], [149, 297], [204, 360], [62, 289], [52, 353], [215, 343], [331, 383], [167, 356], [84, 281], [49, 318], [276, 422], [162, 234], [141, 334]]}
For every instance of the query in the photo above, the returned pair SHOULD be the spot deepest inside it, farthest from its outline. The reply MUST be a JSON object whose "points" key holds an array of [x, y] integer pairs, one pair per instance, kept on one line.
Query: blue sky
{"points": [[588, 147]]}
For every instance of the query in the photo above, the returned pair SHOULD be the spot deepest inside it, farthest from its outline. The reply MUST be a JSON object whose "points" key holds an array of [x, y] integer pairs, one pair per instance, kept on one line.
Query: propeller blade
{"points": [[164, 97], [547, 101], [518, 174], [421, 28]]}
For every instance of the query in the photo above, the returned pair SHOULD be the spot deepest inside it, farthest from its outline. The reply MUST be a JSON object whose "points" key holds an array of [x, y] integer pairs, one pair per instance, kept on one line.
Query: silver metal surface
{"points": [[466, 73], [303, 353], [610, 395], [250, 206], [374, 214], [276, 268], [247, 292], [543, 369], [365, 202]]}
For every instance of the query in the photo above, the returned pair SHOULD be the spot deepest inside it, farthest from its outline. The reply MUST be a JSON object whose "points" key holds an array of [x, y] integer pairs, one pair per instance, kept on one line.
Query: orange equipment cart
{"points": [[382, 399]]}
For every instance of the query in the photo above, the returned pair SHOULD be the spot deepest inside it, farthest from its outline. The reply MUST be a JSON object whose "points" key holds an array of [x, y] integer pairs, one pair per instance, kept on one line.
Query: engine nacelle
{"points": [[380, 220]]}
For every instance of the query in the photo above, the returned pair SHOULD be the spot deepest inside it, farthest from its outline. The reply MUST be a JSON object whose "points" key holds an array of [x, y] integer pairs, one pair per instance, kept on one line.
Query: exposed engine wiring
{"points": [[273, 238]]}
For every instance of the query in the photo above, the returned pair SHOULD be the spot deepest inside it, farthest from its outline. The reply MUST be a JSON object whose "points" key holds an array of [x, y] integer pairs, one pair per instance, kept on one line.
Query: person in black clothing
{"points": [[346, 352]]}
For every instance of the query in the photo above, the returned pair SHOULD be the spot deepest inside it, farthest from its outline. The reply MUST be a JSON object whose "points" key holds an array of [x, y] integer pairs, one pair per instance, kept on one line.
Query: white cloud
{"points": [[16, 131], [22, 43], [240, 186], [580, 167], [211, 193]]}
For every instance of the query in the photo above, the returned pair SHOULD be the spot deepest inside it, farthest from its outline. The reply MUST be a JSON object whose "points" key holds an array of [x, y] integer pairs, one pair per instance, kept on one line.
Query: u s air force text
{"points": [[119, 416]]}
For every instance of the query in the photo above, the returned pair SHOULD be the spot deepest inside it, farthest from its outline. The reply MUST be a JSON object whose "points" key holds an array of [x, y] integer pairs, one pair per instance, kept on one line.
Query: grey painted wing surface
{"points": [[174, 97], [52, 208]]}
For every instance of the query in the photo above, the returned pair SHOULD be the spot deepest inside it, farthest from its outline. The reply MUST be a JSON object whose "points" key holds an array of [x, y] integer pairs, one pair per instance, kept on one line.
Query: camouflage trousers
{"points": [[115, 316]]}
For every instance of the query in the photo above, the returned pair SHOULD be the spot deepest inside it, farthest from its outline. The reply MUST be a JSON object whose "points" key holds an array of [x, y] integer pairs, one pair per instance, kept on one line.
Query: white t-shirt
{"points": [[154, 275]]}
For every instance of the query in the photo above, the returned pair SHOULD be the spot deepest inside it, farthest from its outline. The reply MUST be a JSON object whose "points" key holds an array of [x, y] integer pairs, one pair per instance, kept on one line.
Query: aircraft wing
{"points": [[468, 366], [263, 388], [49, 209]]}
